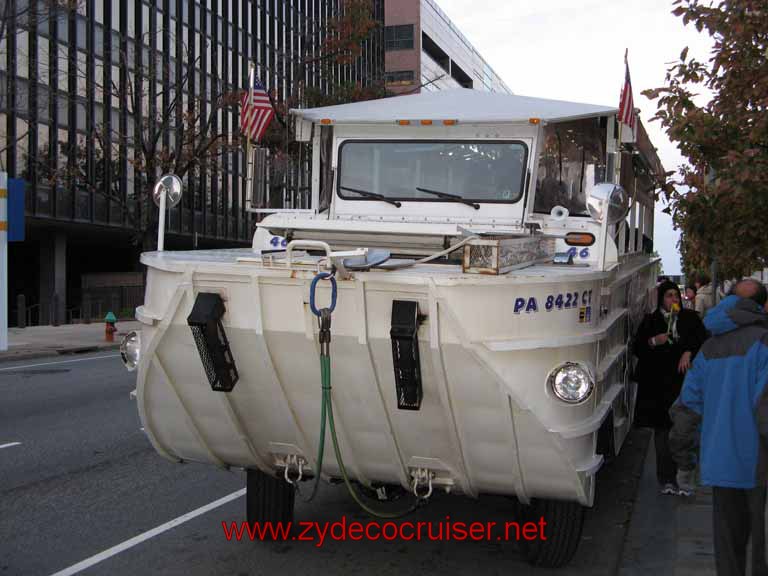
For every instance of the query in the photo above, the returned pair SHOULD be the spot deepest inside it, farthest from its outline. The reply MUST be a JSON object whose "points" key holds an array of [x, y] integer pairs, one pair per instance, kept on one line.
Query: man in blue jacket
{"points": [[725, 395]]}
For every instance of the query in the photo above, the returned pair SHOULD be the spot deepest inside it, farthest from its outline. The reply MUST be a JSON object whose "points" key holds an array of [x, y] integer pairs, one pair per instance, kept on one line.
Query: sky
{"points": [[574, 50]]}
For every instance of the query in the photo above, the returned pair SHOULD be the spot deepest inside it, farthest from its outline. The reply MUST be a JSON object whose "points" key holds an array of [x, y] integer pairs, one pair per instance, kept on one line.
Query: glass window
{"points": [[116, 15], [62, 30], [62, 141], [43, 103], [571, 162], [62, 114], [22, 147], [115, 87], [478, 171], [131, 21], [22, 97], [81, 74], [98, 40], [398, 37], [43, 62], [81, 37], [399, 78], [44, 25], [22, 54], [81, 116], [44, 172], [63, 61]]}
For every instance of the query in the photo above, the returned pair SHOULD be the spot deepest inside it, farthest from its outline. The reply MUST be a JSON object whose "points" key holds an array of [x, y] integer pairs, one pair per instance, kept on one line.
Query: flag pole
{"points": [[621, 126], [616, 177], [248, 160]]}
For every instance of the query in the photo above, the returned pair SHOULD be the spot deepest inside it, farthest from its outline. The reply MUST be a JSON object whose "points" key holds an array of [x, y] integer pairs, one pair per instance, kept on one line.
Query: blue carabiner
{"points": [[313, 286]]}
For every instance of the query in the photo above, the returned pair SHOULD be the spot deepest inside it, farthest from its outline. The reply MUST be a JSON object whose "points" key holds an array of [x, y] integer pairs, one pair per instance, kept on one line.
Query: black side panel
{"points": [[405, 354], [212, 343]]}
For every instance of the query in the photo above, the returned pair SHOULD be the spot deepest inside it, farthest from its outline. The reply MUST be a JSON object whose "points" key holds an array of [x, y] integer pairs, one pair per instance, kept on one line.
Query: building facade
{"points": [[425, 50], [82, 91]]}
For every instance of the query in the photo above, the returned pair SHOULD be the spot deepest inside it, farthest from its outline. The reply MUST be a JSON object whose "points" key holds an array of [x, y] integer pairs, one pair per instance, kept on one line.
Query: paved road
{"points": [[84, 479]]}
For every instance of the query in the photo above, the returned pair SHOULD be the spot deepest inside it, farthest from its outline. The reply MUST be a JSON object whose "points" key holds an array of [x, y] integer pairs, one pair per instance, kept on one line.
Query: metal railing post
{"points": [[55, 310]]}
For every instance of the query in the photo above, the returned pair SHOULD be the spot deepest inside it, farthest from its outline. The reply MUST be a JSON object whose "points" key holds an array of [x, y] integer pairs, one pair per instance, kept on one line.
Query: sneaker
{"points": [[684, 492], [669, 489]]}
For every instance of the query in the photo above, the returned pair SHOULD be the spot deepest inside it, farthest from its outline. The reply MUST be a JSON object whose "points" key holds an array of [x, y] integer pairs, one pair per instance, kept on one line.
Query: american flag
{"points": [[627, 104], [256, 111]]}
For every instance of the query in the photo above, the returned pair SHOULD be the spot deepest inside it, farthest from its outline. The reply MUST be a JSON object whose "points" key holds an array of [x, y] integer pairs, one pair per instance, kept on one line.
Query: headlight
{"points": [[130, 350], [571, 382]]}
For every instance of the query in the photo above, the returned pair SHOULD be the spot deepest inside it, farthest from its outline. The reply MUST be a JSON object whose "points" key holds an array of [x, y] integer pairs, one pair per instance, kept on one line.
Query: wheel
{"points": [[268, 499], [564, 521]]}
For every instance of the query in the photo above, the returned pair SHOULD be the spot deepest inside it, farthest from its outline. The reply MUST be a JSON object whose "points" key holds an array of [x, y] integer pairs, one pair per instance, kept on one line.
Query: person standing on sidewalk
{"points": [[689, 298], [723, 407], [665, 343], [705, 296]]}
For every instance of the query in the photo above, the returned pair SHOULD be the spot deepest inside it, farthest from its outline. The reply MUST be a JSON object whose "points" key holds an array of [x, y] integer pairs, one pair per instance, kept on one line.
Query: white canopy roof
{"points": [[460, 104]]}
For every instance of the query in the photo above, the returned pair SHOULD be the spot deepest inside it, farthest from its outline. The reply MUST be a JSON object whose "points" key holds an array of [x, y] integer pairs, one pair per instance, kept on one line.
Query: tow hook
{"points": [[422, 477], [296, 462]]}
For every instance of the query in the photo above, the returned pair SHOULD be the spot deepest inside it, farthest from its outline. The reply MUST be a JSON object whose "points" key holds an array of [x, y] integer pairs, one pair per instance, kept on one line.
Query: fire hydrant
{"points": [[109, 327]]}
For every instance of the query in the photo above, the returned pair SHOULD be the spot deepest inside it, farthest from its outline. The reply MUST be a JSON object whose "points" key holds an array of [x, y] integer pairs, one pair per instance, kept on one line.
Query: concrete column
{"points": [[3, 261], [53, 278]]}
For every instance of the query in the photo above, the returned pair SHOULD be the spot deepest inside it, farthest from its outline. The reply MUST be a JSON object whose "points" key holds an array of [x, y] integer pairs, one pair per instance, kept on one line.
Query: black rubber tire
{"points": [[564, 521], [268, 499]]}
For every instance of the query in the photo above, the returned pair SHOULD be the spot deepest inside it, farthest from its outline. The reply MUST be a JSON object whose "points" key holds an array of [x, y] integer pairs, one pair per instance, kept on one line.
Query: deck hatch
{"points": [[405, 354], [212, 343]]}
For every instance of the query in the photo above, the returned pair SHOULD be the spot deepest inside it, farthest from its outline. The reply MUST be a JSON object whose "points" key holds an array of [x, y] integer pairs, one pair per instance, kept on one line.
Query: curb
{"points": [[6, 357]]}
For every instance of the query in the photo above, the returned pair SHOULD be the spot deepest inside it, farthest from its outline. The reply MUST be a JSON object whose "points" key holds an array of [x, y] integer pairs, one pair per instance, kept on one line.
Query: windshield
{"points": [[475, 171]]}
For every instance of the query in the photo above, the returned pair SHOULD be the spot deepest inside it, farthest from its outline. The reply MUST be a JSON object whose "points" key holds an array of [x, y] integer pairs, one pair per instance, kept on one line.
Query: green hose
{"points": [[325, 370], [321, 443], [326, 405]]}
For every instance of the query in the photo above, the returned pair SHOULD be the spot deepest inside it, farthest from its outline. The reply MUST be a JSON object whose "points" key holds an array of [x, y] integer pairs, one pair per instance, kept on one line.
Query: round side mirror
{"points": [[169, 184], [608, 198]]}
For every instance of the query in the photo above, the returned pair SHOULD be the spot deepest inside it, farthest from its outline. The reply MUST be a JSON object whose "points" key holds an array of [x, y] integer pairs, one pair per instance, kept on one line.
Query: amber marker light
{"points": [[325, 121], [426, 122], [404, 122], [450, 122], [579, 239], [534, 120]]}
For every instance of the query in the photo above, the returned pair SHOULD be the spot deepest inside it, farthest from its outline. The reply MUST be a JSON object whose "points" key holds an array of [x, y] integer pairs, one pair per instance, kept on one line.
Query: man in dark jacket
{"points": [[725, 394], [665, 343]]}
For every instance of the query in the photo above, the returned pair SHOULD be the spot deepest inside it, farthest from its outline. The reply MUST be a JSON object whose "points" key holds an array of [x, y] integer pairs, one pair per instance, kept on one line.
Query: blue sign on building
{"points": [[16, 209]]}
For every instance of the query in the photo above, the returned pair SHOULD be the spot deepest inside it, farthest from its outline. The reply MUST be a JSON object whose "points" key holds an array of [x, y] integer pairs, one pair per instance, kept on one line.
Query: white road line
{"points": [[101, 556], [10, 445], [61, 362]]}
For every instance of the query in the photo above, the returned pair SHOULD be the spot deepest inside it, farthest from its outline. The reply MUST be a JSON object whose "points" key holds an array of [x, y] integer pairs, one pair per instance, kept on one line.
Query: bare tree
{"points": [[18, 16], [168, 133]]}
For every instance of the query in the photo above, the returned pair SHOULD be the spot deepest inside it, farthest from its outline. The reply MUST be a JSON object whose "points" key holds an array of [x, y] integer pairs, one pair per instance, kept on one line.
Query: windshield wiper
{"points": [[447, 196], [372, 195]]}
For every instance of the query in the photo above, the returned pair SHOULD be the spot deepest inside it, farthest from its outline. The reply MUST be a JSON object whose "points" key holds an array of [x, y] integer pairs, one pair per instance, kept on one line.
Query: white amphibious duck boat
{"points": [[490, 257]]}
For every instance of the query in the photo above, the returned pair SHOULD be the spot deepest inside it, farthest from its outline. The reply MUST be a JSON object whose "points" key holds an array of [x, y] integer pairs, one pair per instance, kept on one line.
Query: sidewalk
{"points": [[668, 535], [42, 341]]}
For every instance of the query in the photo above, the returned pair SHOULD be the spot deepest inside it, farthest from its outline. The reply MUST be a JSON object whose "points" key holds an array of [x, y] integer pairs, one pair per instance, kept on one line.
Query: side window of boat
{"points": [[572, 160], [326, 168]]}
